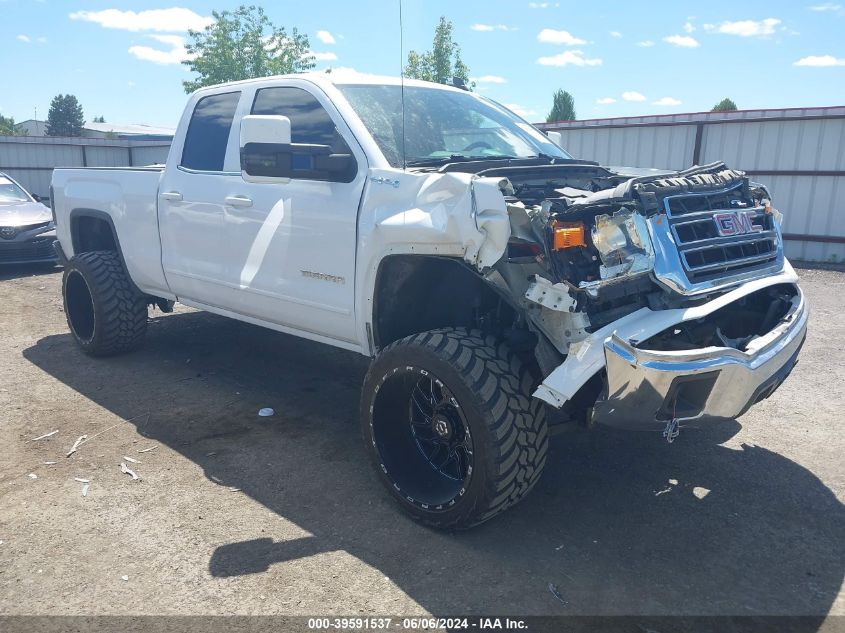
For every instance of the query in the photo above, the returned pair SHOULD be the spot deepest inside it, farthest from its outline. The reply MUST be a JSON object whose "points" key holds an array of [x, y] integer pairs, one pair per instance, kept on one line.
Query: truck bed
{"points": [[127, 198]]}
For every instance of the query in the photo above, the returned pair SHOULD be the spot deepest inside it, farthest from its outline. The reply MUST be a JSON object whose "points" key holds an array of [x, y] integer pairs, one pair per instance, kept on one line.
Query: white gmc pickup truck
{"points": [[500, 285]]}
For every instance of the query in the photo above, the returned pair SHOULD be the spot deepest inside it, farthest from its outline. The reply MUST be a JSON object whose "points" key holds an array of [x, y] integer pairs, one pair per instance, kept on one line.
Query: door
{"points": [[191, 205], [292, 246]]}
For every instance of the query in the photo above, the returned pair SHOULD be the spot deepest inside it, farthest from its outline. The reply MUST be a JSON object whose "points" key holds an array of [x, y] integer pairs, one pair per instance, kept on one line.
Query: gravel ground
{"points": [[239, 514]]}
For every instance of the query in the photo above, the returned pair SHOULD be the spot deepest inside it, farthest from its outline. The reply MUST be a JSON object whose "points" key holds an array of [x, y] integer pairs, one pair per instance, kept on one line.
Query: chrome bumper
{"points": [[647, 387]]}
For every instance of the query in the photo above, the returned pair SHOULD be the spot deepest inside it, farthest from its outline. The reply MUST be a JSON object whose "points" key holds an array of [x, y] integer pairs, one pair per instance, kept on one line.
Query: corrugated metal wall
{"points": [[798, 153], [31, 159]]}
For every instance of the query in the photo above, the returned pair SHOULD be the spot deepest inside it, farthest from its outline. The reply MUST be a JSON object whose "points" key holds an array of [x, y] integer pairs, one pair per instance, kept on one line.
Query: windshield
{"points": [[10, 192], [444, 124]]}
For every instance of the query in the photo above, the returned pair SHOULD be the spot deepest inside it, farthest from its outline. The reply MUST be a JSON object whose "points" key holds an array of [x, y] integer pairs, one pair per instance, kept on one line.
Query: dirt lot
{"points": [[282, 515]]}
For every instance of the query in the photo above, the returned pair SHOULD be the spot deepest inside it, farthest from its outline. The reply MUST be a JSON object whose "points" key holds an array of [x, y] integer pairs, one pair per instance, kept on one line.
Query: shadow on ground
{"points": [[17, 271], [620, 523]]}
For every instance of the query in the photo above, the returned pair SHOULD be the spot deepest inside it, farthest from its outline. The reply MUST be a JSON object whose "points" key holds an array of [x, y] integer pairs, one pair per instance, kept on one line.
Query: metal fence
{"points": [[31, 159], [798, 153]]}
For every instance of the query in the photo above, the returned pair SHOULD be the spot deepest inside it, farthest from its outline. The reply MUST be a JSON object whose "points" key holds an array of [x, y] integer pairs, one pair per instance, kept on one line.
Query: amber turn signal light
{"points": [[568, 235]]}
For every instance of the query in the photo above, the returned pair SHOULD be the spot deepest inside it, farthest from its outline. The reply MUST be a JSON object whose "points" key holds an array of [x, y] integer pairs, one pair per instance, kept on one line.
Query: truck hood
{"points": [[638, 172], [23, 214]]}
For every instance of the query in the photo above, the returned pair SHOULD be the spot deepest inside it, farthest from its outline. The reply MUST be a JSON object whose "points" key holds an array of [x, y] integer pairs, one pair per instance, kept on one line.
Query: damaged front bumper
{"points": [[647, 387]]}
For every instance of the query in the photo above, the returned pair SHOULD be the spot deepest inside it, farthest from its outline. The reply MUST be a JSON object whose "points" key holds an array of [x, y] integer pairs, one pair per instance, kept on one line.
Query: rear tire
{"points": [[449, 422], [105, 312]]}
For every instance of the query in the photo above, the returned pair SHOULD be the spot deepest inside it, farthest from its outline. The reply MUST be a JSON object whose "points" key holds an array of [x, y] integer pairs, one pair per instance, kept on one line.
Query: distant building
{"points": [[138, 132]]}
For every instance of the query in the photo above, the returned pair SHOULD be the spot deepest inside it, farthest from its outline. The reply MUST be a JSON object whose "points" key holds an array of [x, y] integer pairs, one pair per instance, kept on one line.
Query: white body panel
{"points": [[298, 256], [128, 197]]}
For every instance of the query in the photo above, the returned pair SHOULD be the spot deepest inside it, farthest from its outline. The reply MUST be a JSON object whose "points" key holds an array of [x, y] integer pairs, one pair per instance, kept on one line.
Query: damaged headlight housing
{"points": [[770, 210], [623, 243]]}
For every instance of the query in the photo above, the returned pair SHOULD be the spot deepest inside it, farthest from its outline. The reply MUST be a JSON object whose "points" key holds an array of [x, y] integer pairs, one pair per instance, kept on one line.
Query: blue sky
{"points": [[617, 58]]}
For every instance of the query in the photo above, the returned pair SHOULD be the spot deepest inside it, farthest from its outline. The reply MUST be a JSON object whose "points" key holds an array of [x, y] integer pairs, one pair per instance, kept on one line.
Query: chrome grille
{"points": [[718, 235]]}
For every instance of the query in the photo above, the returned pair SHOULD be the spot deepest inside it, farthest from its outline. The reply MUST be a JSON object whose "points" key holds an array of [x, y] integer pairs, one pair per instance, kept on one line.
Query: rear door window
{"points": [[208, 132]]}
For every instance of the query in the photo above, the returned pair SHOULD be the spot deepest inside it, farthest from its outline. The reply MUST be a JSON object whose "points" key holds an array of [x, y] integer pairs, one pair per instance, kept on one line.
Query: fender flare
{"points": [[83, 212]]}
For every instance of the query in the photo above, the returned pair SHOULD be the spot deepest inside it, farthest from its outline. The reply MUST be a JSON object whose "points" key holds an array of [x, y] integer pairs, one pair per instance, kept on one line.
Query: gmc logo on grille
{"points": [[736, 223]]}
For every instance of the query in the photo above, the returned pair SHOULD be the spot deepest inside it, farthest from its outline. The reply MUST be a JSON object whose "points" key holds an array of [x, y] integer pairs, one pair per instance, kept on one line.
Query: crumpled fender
{"points": [[458, 213]]}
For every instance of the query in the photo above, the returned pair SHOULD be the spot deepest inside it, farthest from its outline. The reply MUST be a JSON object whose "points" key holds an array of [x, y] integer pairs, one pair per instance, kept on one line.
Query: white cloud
{"points": [[826, 6], [746, 28], [820, 61], [605, 101], [667, 101], [489, 79], [325, 37], [520, 110], [173, 20], [491, 27], [684, 41], [569, 58], [175, 55], [615, 34], [632, 95], [27, 39], [550, 36], [689, 27], [542, 5], [645, 43], [323, 57]]}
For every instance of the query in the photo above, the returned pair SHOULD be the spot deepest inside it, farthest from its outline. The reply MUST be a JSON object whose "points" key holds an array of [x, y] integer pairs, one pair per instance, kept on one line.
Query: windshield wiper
{"points": [[454, 158]]}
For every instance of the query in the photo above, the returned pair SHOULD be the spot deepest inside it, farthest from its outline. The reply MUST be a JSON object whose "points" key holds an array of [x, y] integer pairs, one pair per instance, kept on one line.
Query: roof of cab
{"points": [[339, 76]]}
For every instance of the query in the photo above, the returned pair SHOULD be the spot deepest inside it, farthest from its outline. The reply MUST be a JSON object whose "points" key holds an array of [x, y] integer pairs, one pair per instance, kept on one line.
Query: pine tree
{"points": [[65, 117], [563, 107]]}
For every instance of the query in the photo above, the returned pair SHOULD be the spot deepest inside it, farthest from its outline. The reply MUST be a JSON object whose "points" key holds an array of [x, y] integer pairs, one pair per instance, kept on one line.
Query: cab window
{"points": [[208, 132]]}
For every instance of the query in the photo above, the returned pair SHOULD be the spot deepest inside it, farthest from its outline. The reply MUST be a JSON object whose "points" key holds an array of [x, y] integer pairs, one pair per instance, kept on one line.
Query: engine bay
{"points": [[581, 252]]}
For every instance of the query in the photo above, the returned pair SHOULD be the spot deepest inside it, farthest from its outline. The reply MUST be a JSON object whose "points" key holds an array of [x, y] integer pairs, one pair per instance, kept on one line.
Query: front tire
{"points": [[450, 424], [105, 312]]}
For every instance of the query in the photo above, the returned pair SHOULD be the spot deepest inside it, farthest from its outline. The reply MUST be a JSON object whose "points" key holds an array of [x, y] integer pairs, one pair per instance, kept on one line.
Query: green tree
{"points": [[99, 119], [725, 105], [442, 62], [7, 126], [563, 107], [65, 117], [243, 44]]}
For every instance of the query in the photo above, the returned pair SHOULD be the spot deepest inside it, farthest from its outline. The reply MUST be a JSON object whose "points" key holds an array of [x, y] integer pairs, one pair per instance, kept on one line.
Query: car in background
{"points": [[27, 230]]}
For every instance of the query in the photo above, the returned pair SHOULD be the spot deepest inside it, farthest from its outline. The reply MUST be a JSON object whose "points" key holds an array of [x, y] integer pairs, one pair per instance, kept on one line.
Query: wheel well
{"points": [[91, 232], [416, 293]]}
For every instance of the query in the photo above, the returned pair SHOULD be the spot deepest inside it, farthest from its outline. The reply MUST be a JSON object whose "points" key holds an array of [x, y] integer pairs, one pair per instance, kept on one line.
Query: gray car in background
{"points": [[27, 230]]}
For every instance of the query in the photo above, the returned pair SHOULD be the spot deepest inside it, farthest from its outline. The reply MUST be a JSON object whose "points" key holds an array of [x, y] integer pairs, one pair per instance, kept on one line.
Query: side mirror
{"points": [[262, 136], [36, 197], [556, 138], [267, 154]]}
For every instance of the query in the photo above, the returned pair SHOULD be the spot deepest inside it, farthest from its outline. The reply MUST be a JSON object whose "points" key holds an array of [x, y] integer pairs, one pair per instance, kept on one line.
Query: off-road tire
{"points": [[105, 312], [508, 426]]}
